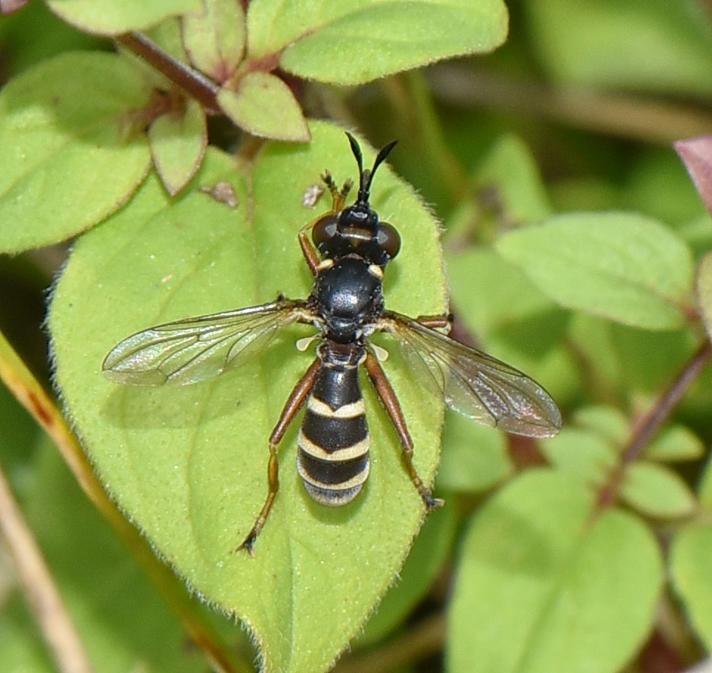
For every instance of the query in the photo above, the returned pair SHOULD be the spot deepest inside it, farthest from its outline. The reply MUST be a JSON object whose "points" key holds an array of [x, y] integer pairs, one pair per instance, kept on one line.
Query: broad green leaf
{"points": [[265, 106], [189, 464], [639, 44], [69, 159], [489, 293], [543, 587], [431, 548], [675, 443], [474, 458], [214, 38], [355, 41], [621, 266], [109, 17], [689, 566], [581, 454], [657, 491], [608, 423], [178, 141]]}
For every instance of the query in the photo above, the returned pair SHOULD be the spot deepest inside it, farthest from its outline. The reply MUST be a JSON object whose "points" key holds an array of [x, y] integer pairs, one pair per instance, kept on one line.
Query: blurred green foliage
{"points": [[575, 246]]}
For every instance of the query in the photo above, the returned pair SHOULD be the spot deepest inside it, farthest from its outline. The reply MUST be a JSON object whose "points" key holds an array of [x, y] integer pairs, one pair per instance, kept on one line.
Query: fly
{"points": [[347, 253]]}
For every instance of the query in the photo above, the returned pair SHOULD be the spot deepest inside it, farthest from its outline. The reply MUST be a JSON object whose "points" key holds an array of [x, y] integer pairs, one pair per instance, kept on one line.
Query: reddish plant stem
{"points": [[192, 81], [648, 425]]}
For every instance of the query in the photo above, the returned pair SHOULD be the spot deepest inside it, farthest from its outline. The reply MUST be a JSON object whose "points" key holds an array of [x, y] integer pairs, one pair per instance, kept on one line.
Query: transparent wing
{"points": [[474, 383], [196, 349]]}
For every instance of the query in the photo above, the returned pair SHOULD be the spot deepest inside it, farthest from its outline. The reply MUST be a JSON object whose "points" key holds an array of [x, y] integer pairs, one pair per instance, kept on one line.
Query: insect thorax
{"points": [[348, 295]]}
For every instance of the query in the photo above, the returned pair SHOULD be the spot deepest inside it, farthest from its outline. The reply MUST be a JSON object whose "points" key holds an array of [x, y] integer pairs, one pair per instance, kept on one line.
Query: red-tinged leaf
{"points": [[696, 154]]}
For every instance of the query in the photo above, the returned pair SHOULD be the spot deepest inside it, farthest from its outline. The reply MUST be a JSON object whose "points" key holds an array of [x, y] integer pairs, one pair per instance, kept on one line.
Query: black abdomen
{"points": [[332, 459]]}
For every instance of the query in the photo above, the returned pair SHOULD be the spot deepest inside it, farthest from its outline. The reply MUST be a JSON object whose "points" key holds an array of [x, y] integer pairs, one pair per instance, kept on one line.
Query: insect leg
{"points": [[390, 402], [308, 250], [338, 196], [291, 407], [436, 321]]}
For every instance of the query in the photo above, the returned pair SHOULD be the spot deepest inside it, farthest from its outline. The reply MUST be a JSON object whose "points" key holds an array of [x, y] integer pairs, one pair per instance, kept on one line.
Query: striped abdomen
{"points": [[332, 459]]}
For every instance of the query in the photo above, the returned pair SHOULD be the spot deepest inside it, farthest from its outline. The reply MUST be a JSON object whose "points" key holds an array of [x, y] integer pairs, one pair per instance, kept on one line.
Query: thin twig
{"points": [[648, 425], [192, 81], [613, 114], [43, 598], [18, 378]]}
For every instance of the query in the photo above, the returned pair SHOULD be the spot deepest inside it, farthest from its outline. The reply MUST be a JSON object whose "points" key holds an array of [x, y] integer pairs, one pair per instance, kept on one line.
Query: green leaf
{"points": [[657, 491], [425, 560], [543, 587], [108, 17], [489, 293], [689, 566], [356, 41], [474, 458], [581, 454], [639, 44], [608, 423], [621, 266], [265, 106], [178, 141], [675, 443], [189, 464], [214, 38], [69, 158]]}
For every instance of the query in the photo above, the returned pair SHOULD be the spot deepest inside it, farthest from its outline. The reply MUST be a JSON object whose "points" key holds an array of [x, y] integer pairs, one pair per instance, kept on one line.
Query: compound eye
{"points": [[325, 229], [388, 239]]}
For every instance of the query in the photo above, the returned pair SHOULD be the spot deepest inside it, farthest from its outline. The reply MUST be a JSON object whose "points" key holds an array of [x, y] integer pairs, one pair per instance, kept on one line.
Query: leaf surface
{"points": [[214, 38], [69, 159], [689, 565], [356, 41], [657, 491], [622, 266], [178, 141], [544, 588], [265, 106], [108, 17], [189, 464]]}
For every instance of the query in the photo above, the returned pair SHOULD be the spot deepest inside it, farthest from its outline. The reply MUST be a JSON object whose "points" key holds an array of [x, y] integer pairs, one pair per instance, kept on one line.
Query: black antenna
{"points": [[365, 177]]}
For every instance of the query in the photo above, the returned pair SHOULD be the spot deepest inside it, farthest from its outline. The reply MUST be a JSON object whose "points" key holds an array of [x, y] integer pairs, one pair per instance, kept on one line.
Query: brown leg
{"points": [[294, 402], [390, 402], [436, 321], [338, 198]]}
